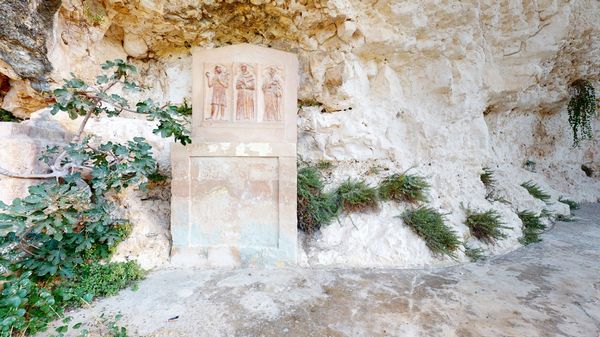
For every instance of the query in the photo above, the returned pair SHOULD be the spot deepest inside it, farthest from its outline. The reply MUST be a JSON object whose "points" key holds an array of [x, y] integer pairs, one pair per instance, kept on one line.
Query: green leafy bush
{"points": [[315, 207], [25, 307], [356, 196], [7, 116], [99, 280], [429, 225], [56, 240], [485, 226], [573, 205], [404, 187], [536, 191], [582, 110], [532, 227]]}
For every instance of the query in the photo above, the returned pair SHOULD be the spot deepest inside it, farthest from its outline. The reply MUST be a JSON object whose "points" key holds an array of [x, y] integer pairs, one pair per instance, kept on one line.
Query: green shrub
{"points": [[474, 254], [532, 227], [315, 208], [99, 280], [55, 239], [356, 196], [573, 205], [487, 177], [7, 116], [536, 191], [485, 226], [429, 225], [25, 307], [404, 187]]}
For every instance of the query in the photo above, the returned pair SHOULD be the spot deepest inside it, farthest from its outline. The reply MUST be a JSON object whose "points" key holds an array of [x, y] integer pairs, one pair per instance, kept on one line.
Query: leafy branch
{"points": [[80, 99], [73, 221]]}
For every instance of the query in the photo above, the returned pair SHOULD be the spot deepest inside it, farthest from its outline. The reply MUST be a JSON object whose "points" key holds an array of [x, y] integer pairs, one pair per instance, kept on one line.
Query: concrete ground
{"points": [[547, 289]]}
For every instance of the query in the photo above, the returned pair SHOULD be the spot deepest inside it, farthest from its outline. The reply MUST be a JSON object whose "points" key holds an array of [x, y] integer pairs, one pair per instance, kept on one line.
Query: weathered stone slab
{"points": [[234, 188]]}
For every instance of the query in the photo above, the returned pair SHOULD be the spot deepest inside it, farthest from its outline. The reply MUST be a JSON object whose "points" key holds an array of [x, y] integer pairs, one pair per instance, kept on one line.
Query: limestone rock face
{"points": [[443, 88], [23, 33]]}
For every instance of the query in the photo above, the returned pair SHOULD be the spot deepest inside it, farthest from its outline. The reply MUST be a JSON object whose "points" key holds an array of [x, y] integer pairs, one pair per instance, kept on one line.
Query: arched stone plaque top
{"points": [[244, 93]]}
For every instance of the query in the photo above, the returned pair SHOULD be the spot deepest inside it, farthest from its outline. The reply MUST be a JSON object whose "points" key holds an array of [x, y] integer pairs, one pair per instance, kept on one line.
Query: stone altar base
{"points": [[234, 204]]}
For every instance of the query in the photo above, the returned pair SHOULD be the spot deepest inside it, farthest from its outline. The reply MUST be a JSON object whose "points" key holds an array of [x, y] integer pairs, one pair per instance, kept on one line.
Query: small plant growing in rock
{"points": [[404, 187], [581, 109], [7, 116], [486, 226], [589, 172], [324, 165], [529, 165], [564, 218], [356, 196], [535, 191], [573, 205], [315, 208], [532, 227], [474, 254], [487, 178], [429, 225], [375, 169], [546, 213]]}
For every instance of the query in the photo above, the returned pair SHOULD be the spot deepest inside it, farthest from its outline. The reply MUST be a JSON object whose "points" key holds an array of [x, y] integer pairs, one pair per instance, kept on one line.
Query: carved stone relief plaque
{"points": [[234, 188]]}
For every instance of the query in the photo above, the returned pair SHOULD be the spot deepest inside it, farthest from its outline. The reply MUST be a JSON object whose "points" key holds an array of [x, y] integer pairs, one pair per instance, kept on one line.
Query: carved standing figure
{"points": [[245, 86], [219, 82], [273, 91]]}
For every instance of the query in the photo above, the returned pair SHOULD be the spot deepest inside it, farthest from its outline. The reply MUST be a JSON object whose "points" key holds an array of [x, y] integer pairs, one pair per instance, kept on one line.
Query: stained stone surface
{"points": [[550, 288], [24, 30], [234, 188]]}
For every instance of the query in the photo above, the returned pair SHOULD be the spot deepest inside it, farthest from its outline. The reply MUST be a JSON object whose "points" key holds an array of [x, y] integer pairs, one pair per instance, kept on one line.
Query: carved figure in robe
{"points": [[273, 93], [245, 86], [219, 82]]}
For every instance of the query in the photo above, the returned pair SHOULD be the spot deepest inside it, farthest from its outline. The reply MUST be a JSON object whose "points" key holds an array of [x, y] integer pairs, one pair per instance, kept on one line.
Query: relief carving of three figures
{"points": [[245, 93]]}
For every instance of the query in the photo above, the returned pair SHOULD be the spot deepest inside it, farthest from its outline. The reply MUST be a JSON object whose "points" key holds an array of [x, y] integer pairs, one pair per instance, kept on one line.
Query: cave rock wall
{"points": [[441, 88]]}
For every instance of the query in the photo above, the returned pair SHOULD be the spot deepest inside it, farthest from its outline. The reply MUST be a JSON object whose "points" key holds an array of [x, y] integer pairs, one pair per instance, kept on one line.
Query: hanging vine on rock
{"points": [[581, 109]]}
